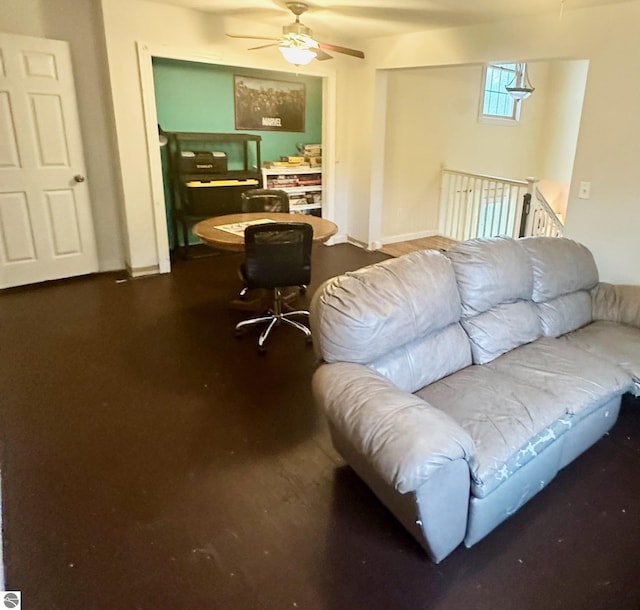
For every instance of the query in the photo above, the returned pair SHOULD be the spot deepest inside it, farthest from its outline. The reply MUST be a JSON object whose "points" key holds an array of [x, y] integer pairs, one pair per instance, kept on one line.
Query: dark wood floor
{"points": [[151, 460]]}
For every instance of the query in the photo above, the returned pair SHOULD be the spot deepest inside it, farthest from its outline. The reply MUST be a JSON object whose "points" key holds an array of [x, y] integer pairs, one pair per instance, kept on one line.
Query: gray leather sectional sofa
{"points": [[458, 383]]}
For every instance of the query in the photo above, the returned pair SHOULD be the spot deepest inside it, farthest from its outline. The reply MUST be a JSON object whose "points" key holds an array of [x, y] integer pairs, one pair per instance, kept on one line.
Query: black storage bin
{"points": [[217, 197], [203, 162]]}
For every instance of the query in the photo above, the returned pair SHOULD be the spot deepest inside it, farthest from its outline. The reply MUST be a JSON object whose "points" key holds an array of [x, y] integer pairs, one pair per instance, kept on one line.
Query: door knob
{"points": [[79, 178]]}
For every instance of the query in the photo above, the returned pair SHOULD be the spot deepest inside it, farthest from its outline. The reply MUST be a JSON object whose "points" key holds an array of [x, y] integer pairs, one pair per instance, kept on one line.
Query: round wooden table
{"points": [[208, 231]]}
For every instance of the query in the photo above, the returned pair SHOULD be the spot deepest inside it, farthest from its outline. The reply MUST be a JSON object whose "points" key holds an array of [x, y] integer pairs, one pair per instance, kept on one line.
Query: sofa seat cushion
{"points": [[509, 421], [616, 343], [580, 381]]}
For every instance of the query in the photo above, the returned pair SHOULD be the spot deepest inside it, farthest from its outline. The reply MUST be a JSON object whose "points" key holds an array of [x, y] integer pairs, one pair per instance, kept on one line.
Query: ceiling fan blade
{"points": [[252, 37], [264, 46], [321, 55], [336, 49]]}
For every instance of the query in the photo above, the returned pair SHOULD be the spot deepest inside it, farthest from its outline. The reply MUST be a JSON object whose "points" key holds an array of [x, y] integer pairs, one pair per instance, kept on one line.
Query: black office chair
{"points": [[277, 254], [264, 200]]}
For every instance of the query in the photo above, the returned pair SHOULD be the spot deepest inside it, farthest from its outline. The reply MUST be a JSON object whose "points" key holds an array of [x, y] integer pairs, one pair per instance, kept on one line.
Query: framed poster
{"points": [[268, 105]]}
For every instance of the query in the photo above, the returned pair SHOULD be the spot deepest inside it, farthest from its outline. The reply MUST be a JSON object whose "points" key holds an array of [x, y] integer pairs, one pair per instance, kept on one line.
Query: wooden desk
{"points": [[208, 232]]}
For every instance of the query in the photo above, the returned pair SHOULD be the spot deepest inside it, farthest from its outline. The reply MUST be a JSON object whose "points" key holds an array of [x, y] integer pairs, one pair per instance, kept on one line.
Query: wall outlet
{"points": [[585, 190]]}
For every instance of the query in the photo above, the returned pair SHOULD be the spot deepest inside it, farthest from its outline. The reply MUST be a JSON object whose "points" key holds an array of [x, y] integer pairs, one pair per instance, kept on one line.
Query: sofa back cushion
{"points": [[495, 281], [563, 274], [400, 317]]}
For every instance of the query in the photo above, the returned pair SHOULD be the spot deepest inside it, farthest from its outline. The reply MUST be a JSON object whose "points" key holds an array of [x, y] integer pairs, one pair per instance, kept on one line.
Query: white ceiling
{"points": [[370, 18]]}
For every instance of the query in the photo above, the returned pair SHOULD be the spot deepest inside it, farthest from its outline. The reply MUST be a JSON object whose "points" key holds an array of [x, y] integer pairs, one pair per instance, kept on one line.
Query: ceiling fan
{"points": [[297, 44]]}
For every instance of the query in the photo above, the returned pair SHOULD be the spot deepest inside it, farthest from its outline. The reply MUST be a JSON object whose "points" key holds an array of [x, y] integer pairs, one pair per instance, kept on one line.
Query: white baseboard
{"points": [[143, 271], [356, 242], [408, 237], [338, 239]]}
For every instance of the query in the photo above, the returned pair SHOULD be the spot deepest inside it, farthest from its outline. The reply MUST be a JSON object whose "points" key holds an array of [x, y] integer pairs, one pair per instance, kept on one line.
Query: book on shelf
{"points": [[284, 164], [315, 161], [304, 199], [275, 184], [312, 150]]}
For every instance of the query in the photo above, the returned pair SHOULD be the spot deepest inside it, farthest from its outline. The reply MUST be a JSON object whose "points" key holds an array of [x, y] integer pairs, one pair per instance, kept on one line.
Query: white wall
{"points": [[22, 17], [559, 132], [607, 153], [565, 87], [79, 24], [432, 120]]}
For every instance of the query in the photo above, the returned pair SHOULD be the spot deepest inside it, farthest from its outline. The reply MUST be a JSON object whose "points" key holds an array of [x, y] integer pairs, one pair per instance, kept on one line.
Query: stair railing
{"points": [[540, 219], [477, 205]]}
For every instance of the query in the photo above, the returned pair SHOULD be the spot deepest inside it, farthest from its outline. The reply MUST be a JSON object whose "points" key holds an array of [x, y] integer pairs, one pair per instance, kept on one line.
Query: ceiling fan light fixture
{"points": [[298, 49], [297, 44], [298, 56]]}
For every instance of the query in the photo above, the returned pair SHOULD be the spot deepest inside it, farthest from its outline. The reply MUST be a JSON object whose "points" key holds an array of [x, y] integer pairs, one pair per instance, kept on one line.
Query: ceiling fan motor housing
{"points": [[297, 8], [296, 28]]}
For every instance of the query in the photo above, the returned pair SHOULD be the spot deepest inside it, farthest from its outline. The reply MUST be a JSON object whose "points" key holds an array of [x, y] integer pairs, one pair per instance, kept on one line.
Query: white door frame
{"points": [[376, 201], [146, 53]]}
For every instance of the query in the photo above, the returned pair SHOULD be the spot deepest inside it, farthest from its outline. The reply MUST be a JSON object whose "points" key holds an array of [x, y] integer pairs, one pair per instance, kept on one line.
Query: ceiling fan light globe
{"points": [[296, 55]]}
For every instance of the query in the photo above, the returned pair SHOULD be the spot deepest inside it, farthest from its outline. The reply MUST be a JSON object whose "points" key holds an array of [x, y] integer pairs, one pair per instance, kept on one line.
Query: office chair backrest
{"points": [[278, 254], [264, 200]]}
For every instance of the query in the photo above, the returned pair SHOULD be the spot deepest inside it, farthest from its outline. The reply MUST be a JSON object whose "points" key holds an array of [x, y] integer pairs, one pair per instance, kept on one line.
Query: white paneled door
{"points": [[46, 229]]}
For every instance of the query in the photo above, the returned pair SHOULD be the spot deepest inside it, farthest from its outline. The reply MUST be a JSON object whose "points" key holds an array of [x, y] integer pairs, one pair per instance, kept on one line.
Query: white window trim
{"points": [[490, 118]]}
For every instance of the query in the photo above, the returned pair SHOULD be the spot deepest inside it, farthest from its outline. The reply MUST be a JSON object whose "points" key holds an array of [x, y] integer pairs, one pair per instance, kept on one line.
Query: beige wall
{"points": [[565, 87], [79, 23], [432, 120], [607, 154]]}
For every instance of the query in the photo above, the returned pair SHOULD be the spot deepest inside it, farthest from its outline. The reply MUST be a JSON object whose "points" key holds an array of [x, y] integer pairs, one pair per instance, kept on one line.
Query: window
{"points": [[496, 102]]}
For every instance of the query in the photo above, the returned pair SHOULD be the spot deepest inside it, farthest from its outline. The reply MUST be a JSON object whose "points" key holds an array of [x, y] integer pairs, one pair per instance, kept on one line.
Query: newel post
{"points": [[526, 205]]}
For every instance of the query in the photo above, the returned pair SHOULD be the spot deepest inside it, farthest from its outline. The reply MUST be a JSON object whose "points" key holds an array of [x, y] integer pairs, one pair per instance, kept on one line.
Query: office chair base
{"points": [[274, 319]]}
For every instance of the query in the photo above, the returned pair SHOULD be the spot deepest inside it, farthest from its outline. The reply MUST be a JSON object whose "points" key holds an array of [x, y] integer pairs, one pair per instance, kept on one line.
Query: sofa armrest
{"points": [[404, 439], [616, 303]]}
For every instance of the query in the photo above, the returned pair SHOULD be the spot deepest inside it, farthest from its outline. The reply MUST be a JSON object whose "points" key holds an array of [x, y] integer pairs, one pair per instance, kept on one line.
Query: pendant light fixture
{"points": [[520, 88]]}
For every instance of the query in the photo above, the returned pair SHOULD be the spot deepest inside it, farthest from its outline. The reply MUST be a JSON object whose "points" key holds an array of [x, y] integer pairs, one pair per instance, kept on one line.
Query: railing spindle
{"points": [[477, 205]]}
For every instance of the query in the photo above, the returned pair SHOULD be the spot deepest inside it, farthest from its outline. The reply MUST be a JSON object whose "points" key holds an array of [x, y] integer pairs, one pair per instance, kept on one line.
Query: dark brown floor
{"points": [[151, 460]]}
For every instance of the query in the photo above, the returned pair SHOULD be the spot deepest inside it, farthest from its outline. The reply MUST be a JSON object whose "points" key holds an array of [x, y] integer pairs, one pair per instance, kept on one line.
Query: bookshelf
{"points": [[200, 189], [302, 184]]}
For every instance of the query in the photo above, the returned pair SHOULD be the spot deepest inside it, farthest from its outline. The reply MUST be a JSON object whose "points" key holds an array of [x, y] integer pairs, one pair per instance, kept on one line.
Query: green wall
{"points": [[199, 97]]}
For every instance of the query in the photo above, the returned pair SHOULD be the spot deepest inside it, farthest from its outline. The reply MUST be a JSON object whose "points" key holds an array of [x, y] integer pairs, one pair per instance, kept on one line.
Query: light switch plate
{"points": [[585, 190]]}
